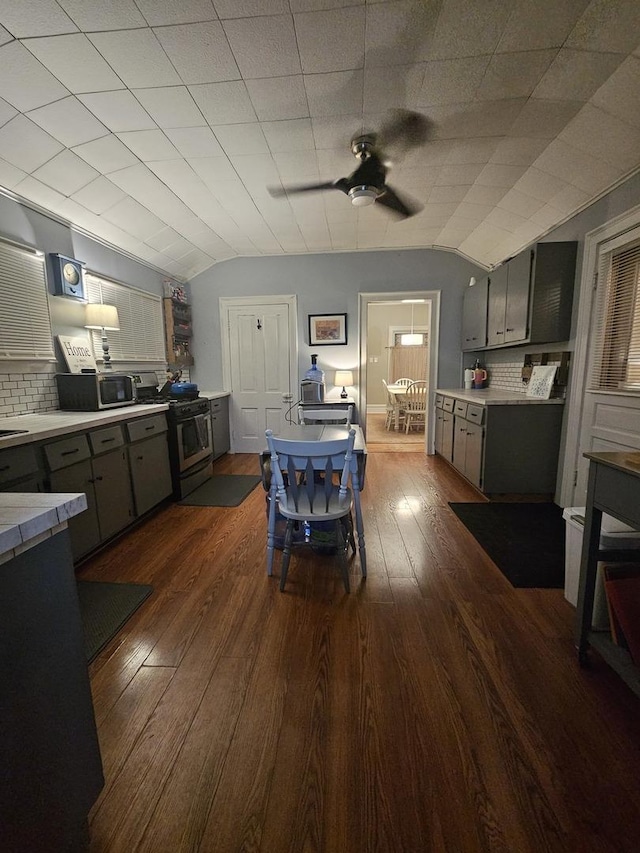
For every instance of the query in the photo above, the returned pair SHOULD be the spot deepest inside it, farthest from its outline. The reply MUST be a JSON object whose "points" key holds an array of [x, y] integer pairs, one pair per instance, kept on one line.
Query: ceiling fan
{"points": [[367, 184]]}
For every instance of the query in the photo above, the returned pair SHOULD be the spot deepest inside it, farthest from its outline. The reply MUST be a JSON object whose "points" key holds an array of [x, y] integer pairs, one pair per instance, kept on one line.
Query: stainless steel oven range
{"points": [[190, 444]]}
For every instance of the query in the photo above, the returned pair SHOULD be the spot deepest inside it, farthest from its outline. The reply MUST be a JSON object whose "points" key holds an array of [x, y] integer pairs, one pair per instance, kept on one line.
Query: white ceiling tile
{"points": [[459, 174], [160, 13], [10, 175], [75, 62], [24, 83], [265, 46], [134, 218], [468, 211], [473, 150], [610, 26], [452, 81], [577, 167], [331, 40], [620, 95], [339, 93], [224, 103], [249, 8], [399, 32], [136, 57], [485, 118], [5, 36], [299, 166], [390, 87], [294, 135], [25, 145], [66, 173], [336, 132], [518, 150], [480, 194], [497, 175], [445, 194], [570, 199], [195, 142], [69, 121], [514, 75], [212, 169], [465, 29], [333, 162], [256, 170], [119, 111], [515, 201], [539, 185], [99, 195], [241, 139], [536, 24], [544, 119], [39, 193], [277, 98], [114, 15], [149, 145], [199, 52], [107, 154], [35, 18], [170, 106], [6, 112], [603, 136], [546, 217], [576, 75]]}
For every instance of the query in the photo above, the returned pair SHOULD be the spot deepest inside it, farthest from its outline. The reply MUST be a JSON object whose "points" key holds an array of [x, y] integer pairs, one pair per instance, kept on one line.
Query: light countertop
{"points": [[45, 425], [27, 518], [495, 397]]}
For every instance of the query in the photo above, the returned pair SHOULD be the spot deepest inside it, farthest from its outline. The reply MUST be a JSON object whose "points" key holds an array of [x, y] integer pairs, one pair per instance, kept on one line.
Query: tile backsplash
{"points": [[506, 376], [22, 393]]}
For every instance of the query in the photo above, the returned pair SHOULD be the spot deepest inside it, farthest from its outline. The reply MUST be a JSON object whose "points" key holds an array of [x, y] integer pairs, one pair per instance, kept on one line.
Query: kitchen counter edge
{"points": [[495, 397]]}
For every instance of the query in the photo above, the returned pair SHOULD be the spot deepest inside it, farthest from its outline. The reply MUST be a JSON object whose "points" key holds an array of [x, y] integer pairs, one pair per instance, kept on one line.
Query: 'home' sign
{"points": [[77, 353]]}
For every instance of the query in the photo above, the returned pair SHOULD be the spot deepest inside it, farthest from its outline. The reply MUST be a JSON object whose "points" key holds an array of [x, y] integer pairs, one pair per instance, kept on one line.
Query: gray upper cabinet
{"points": [[474, 315], [531, 296]]}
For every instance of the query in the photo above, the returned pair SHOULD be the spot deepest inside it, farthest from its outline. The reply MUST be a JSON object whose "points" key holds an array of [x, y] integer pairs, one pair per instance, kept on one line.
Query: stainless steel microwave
{"points": [[89, 392]]}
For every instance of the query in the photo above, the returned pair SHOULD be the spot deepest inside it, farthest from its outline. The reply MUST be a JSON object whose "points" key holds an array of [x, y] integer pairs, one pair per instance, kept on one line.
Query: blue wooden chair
{"points": [[303, 491]]}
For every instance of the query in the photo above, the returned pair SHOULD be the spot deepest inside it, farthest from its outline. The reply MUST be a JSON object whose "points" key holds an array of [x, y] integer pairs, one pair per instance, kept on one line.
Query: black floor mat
{"points": [[526, 541], [222, 490], [104, 608]]}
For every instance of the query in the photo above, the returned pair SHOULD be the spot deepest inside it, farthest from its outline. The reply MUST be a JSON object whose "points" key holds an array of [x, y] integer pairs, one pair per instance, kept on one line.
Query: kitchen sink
{"points": [[5, 432]]}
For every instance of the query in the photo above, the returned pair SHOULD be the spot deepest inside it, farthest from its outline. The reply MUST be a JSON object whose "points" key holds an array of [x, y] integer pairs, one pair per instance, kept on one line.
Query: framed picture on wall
{"points": [[327, 329]]}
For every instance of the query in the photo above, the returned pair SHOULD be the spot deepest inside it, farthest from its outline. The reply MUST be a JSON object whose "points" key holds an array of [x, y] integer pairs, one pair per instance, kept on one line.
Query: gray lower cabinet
{"points": [[82, 464], [20, 470], [444, 427], [220, 426], [149, 462], [502, 449]]}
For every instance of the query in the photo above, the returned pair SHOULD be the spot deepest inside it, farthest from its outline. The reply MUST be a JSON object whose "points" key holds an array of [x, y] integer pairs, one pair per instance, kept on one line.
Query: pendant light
{"points": [[411, 340]]}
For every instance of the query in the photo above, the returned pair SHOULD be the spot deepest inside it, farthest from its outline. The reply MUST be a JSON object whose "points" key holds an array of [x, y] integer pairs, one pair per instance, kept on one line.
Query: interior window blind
{"points": [[25, 326], [616, 332], [141, 334]]}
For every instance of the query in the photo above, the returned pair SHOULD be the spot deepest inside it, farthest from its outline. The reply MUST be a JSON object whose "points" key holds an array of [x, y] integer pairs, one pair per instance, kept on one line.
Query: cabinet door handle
{"points": [[147, 429], [139, 458], [70, 452], [510, 330], [98, 478], [5, 468], [500, 333], [106, 440]]}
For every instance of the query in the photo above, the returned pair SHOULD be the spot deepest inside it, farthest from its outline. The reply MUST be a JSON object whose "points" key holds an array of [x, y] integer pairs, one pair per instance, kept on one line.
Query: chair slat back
{"points": [[303, 461], [415, 397], [326, 415], [403, 381]]}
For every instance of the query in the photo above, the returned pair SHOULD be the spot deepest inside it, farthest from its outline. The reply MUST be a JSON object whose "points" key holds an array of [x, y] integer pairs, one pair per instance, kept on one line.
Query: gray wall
{"points": [[327, 284]]}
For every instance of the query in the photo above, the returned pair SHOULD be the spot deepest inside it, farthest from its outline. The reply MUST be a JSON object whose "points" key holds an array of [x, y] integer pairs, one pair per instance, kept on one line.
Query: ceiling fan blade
{"points": [[404, 130], [280, 192], [400, 207]]}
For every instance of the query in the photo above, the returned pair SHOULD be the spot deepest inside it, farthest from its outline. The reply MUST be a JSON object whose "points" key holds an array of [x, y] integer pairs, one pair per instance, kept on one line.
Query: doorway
{"points": [[384, 318], [260, 359]]}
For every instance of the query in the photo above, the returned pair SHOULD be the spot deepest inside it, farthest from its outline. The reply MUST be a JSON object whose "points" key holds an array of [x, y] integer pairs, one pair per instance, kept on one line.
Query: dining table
{"points": [[397, 392]]}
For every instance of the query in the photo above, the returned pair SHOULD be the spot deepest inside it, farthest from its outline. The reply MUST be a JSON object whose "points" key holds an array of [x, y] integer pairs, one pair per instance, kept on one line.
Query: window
{"points": [[617, 319], [141, 335], [25, 327]]}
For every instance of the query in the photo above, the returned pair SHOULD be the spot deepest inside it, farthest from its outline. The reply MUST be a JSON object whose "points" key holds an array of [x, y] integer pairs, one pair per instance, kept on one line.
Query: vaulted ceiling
{"points": [[158, 125]]}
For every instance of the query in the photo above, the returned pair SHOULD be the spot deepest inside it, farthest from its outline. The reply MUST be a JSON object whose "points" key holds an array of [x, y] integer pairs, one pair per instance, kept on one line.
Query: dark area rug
{"points": [[222, 490], [104, 608], [526, 541]]}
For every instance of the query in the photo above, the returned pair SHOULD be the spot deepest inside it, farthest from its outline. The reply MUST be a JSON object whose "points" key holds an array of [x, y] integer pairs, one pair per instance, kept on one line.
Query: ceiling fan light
{"points": [[363, 196]]}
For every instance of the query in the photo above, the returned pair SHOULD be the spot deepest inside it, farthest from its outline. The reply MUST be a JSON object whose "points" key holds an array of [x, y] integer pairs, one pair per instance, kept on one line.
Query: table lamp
{"points": [[105, 318], [344, 377]]}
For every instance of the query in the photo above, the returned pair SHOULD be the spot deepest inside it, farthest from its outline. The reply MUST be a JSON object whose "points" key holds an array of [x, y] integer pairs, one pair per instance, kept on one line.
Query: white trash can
{"points": [[614, 534]]}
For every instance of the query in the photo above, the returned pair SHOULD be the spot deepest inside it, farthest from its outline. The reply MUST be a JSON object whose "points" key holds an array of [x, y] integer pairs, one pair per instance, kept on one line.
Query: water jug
{"points": [[314, 373]]}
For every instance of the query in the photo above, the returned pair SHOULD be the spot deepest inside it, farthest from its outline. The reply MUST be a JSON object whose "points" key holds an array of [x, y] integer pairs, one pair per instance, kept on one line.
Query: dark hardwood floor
{"points": [[435, 708]]}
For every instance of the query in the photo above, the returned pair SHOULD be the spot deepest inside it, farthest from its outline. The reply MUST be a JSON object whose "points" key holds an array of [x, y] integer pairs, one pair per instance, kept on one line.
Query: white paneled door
{"points": [[260, 370]]}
